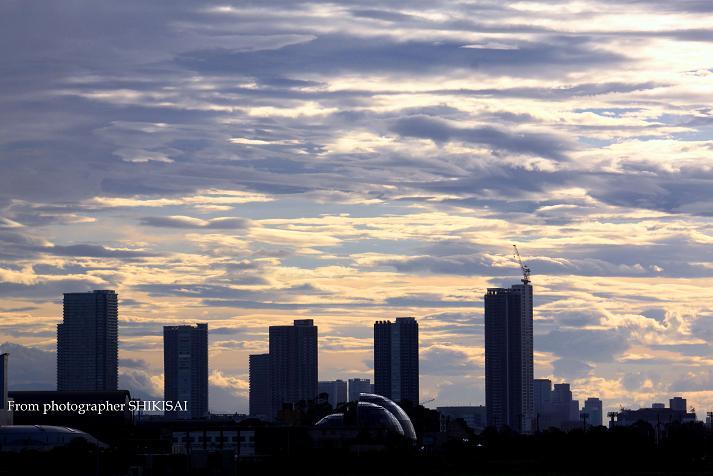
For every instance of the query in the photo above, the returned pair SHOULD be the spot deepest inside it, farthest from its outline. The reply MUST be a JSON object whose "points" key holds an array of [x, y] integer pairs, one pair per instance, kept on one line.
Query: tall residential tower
{"points": [[5, 413], [509, 395], [3, 381], [185, 366], [592, 411], [260, 394], [87, 342], [293, 363], [396, 359]]}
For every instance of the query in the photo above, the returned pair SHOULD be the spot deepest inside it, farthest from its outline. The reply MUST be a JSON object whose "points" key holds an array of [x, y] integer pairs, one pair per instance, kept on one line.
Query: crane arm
{"points": [[525, 269]]}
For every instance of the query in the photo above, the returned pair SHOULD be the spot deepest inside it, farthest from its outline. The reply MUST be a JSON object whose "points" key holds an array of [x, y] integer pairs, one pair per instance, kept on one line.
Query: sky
{"points": [[246, 164]]}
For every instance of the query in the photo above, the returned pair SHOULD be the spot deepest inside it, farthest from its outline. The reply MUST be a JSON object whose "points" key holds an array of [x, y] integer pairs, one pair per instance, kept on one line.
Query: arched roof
{"points": [[394, 409]]}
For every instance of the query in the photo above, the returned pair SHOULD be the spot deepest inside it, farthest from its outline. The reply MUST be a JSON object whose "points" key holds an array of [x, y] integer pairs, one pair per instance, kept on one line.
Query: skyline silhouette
{"points": [[289, 373]]}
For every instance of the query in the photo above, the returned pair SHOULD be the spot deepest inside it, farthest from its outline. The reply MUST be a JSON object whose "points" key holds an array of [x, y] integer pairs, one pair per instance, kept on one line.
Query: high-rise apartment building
{"points": [[5, 413], [509, 392], [185, 357], [293, 363], [542, 390], [3, 381], [260, 393], [678, 404], [565, 410], [87, 342], [592, 411], [396, 359]]}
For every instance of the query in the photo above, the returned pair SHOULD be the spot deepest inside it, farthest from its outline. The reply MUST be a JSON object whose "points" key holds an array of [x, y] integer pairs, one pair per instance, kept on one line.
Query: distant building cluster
{"points": [[287, 374], [357, 386], [555, 407], [88, 344], [286, 377], [334, 390], [513, 397], [658, 415], [473, 417]]}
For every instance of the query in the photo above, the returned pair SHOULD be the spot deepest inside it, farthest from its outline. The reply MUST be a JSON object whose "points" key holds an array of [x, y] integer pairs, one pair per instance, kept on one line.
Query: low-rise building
{"points": [[473, 416]]}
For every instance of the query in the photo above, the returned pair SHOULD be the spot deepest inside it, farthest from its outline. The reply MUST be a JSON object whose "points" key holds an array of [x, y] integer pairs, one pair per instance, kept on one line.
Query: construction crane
{"points": [[525, 269]]}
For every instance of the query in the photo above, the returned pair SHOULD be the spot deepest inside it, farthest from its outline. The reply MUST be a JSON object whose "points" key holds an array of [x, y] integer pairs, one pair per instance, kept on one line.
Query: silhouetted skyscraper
{"points": [[357, 386], [593, 410], [335, 389], [563, 407], [293, 363], [5, 414], [185, 366], [3, 381], [678, 404], [382, 358], [508, 357], [574, 414], [87, 342], [542, 395], [260, 394], [396, 359]]}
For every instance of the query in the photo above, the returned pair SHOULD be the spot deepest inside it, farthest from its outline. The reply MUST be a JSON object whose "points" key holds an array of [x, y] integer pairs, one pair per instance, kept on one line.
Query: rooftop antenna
{"points": [[525, 269]]}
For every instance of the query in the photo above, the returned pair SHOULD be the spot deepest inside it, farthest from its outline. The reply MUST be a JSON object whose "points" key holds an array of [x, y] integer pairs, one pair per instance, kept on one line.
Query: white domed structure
{"points": [[394, 409], [372, 413]]}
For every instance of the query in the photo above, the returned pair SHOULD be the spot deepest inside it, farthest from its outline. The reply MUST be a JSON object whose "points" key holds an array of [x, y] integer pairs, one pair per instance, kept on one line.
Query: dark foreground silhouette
{"points": [[638, 449]]}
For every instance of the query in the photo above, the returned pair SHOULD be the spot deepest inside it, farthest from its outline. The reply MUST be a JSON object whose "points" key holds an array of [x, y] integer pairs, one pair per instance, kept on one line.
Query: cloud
{"points": [[571, 369], [93, 251], [140, 383], [227, 393], [443, 360], [7, 223], [330, 54], [582, 344], [459, 391], [543, 145], [693, 381], [51, 290], [226, 223], [30, 368], [132, 363]]}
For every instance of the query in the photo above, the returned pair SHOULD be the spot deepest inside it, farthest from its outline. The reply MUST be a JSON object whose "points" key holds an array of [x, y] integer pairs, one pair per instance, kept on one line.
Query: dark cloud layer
{"points": [[585, 345], [439, 131], [224, 223]]}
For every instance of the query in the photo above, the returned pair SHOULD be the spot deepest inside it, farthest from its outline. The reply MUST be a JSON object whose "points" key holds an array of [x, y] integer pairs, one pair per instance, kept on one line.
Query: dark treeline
{"points": [[638, 449]]}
